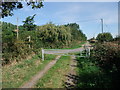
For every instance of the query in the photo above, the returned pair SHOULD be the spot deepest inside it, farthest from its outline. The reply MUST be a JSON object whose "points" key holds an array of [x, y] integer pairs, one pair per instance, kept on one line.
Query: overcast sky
{"points": [[86, 14]]}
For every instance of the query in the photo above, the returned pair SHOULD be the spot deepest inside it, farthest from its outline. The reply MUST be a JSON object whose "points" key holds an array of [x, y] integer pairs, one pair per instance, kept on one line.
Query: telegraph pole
{"points": [[102, 25], [17, 27]]}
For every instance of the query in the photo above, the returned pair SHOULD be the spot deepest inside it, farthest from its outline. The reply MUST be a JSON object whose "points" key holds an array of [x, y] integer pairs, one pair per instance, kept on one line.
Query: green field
{"points": [[14, 76]]}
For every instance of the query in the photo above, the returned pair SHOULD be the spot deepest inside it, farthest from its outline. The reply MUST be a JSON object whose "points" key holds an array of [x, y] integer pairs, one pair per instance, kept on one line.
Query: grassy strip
{"points": [[73, 46], [90, 75], [55, 77], [14, 76]]}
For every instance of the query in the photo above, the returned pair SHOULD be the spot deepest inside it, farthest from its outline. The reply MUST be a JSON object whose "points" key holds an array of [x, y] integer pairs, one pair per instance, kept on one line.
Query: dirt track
{"points": [[35, 78]]}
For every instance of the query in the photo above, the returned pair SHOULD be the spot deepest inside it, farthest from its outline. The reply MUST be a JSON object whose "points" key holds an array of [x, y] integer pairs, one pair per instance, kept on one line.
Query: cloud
{"points": [[83, 11], [69, 13]]}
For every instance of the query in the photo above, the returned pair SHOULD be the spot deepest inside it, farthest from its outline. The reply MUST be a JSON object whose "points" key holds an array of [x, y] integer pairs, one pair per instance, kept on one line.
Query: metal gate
{"points": [[84, 51]]}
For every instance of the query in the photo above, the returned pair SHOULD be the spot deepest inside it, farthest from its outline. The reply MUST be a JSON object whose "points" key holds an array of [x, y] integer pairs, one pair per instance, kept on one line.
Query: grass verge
{"points": [[73, 46], [90, 75], [55, 77], [14, 76], [76, 45]]}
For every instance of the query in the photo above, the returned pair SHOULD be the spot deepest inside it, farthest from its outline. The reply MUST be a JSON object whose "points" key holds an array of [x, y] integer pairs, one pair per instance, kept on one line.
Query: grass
{"points": [[76, 45], [55, 77], [90, 75], [73, 46], [14, 76]]}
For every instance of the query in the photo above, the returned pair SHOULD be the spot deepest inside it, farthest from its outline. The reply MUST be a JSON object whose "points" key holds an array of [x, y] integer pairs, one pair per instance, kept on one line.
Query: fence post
{"points": [[86, 50], [89, 51], [80, 53], [42, 54]]}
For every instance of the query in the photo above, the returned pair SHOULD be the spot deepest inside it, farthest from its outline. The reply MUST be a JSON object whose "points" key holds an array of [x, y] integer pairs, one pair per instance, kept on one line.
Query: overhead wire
{"points": [[77, 21], [108, 28]]}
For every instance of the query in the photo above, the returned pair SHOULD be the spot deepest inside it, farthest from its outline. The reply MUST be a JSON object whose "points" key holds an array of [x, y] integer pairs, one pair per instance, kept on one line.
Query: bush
{"points": [[104, 37], [108, 56]]}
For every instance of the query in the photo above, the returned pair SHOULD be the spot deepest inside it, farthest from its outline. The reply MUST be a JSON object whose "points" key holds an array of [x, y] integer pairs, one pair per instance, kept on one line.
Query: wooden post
{"points": [[29, 39], [86, 52], [80, 53], [42, 54], [89, 51]]}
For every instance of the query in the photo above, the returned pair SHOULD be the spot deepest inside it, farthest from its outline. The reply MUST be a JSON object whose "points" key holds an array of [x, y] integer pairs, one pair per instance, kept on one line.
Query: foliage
{"points": [[29, 23], [8, 7], [90, 75], [108, 56], [45, 36], [12, 48], [59, 35], [116, 40], [104, 37], [76, 33]]}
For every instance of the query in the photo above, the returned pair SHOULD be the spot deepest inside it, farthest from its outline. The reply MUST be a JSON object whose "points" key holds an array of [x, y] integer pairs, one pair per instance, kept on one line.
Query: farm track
{"points": [[35, 78], [71, 76]]}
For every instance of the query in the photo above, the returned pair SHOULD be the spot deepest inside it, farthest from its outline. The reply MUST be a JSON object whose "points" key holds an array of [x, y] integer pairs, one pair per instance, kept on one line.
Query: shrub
{"points": [[104, 37], [108, 56]]}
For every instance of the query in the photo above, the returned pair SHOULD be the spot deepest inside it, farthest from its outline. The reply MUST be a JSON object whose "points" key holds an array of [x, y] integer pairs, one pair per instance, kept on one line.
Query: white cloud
{"points": [[73, 12], [69, 14]]}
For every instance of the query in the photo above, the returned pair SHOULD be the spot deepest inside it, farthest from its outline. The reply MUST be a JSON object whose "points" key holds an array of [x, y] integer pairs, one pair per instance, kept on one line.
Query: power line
{"points": [[108, 28], [96, 31], [80, 21]]}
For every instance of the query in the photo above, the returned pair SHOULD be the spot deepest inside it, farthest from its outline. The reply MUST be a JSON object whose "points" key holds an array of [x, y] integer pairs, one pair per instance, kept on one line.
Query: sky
{"points": [[87, 14]]}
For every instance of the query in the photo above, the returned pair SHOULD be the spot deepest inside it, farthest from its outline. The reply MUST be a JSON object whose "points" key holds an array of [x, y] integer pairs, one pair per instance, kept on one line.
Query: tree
{"points": [[8, 7], [104, 37], [76, 33], [29, 23]]}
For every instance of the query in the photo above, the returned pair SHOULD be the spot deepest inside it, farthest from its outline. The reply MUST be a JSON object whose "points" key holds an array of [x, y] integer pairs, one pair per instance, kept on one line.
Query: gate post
{"points": [[42, 54], [89, 51]]}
